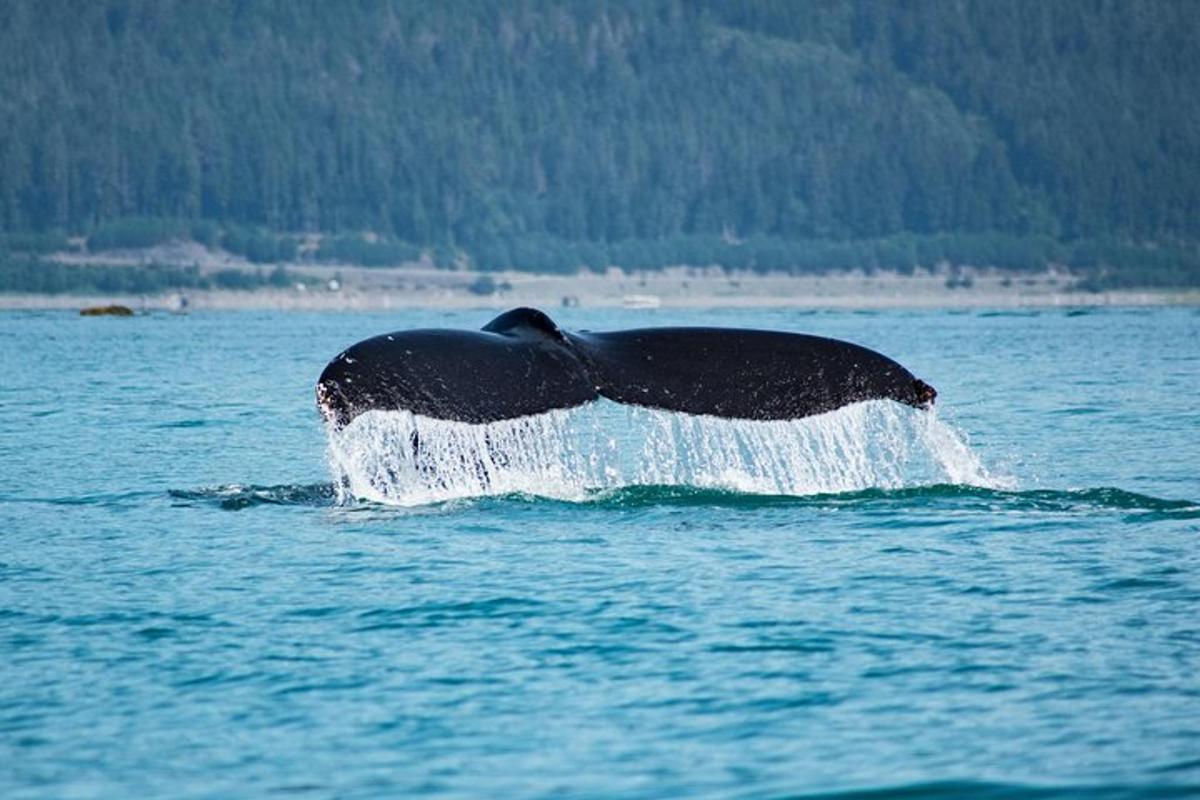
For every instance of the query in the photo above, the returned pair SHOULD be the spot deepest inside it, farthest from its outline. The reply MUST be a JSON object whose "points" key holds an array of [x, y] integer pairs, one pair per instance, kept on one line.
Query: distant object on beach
{"points": [[106, 311], [641, 301]]}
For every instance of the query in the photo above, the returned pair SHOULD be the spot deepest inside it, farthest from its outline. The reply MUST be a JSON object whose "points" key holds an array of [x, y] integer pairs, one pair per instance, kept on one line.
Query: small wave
{"points": [[1049, 500], [103, 499], [938, 496], [187, 423], [1078, 411], [981, 790], [235, 497], [433, 615]]}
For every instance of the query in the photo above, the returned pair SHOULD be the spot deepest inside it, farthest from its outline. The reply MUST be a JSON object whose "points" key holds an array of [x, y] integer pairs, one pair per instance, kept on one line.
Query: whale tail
{"points": [[924, 393], [522, 363]]}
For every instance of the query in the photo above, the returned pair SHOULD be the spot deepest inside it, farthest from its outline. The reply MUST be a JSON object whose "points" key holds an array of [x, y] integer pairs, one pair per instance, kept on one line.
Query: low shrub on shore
{"points": [[33, 242], [38, 276], [358, 249], [1098, 263]]}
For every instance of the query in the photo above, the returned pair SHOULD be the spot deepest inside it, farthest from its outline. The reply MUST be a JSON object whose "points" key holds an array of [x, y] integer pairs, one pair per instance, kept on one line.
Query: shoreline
{"points": [[365, 289]]}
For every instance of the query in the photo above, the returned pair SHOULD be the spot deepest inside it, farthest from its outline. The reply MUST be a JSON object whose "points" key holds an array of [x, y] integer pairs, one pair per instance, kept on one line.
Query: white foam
{"points": [[399, 458]]}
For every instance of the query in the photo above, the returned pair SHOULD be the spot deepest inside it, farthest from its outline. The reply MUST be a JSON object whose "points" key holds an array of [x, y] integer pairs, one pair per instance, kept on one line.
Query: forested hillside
{"points": [[550, 135]]}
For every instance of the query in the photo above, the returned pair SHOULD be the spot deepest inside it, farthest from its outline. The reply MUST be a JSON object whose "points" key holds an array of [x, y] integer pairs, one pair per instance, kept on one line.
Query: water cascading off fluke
{"points": [[399, 458]]}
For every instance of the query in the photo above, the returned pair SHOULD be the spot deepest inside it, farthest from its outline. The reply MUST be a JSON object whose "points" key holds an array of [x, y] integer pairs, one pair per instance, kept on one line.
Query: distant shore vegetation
{"points": [[32, 275], [552, 137], [28, 260]]}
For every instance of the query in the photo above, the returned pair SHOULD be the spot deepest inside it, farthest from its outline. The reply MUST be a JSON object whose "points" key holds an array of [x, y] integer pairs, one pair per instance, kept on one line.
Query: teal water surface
{"points": [[187, 610]]}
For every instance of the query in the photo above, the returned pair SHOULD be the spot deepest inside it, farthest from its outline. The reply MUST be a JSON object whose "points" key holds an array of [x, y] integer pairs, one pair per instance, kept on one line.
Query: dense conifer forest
{"points": [[764, 134]]}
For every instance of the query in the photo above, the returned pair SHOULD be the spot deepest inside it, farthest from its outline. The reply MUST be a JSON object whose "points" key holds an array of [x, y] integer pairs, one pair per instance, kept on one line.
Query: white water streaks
{"points": [[398, 458]]}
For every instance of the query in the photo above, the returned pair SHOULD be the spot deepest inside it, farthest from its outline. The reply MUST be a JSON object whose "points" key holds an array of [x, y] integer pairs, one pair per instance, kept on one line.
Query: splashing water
{"points": [[399, 458]]}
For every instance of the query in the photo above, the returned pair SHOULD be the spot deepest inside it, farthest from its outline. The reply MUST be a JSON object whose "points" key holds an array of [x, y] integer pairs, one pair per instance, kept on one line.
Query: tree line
{"points": [[535, 134]]}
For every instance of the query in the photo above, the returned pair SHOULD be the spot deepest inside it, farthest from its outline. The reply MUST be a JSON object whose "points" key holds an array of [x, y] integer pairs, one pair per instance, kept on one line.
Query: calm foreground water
{"points": [[999, 601]]}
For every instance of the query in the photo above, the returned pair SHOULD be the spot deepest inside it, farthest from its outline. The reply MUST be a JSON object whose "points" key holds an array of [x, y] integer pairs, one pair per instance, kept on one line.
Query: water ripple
{"points": [[253, 633], [234, 497]]}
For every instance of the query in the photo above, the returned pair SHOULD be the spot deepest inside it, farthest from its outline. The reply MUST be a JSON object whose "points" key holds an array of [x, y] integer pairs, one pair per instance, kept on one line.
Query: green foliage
{"points": [[236, 279], [206, 232], [32, 275], [536, 254], [356, 249], [484, 285], [36, 243], [901, 253], [1111, 264], [280, 278], [136, 232], [553, 137], [443, 257], [259, 246]]}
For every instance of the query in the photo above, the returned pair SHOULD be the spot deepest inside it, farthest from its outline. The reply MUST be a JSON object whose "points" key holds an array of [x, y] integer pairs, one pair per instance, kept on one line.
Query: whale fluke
{"points": [[522, 363]]}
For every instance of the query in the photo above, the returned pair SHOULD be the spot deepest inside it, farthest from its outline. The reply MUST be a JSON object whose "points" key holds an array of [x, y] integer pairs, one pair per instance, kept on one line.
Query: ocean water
{"points": [[203, 595]]}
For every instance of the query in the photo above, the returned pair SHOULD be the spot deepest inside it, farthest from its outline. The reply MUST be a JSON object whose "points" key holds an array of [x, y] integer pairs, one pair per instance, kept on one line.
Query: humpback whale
{"points": [[522, 363]]}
